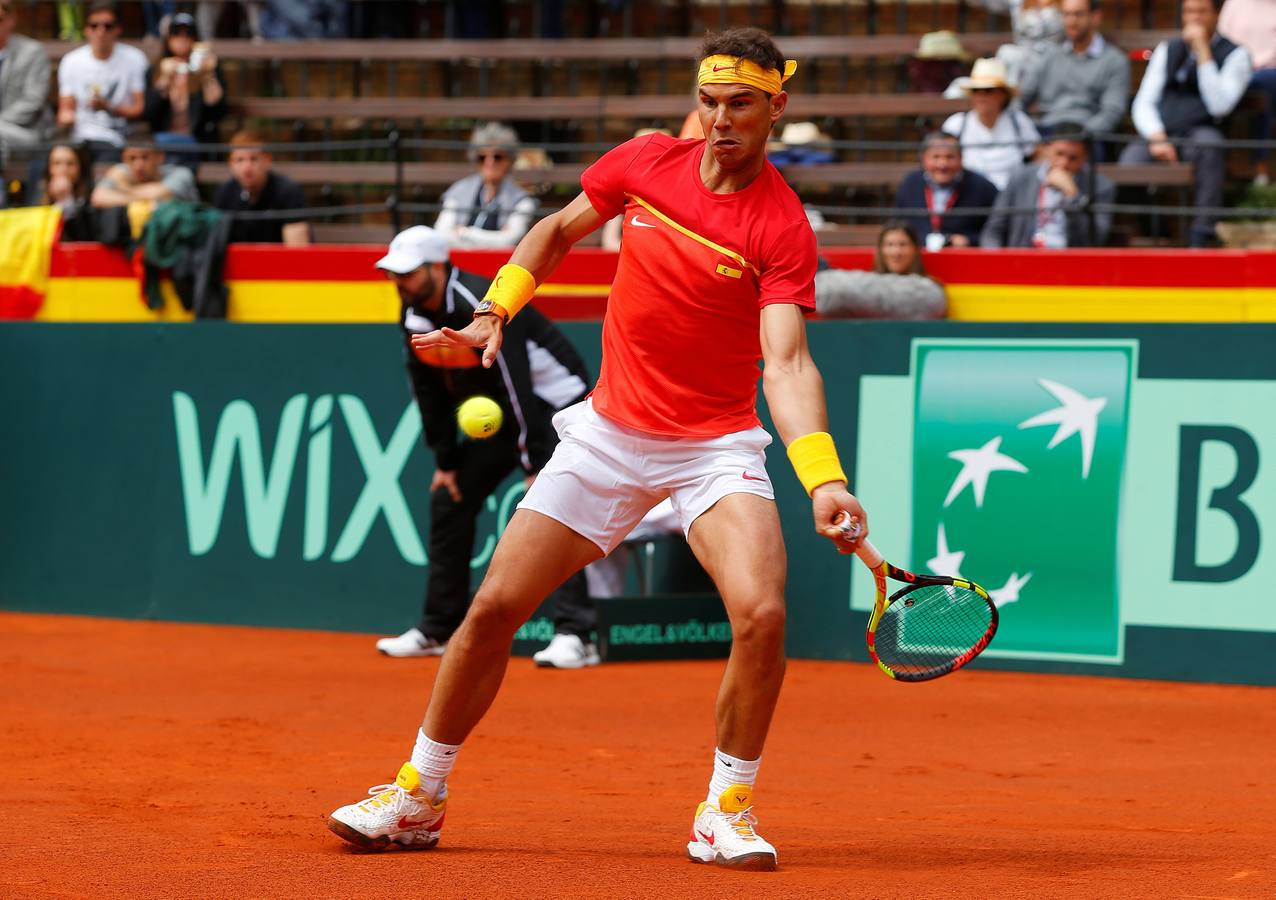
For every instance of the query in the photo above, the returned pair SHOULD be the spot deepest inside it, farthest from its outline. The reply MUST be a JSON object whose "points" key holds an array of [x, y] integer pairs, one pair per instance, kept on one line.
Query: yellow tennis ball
{"points": [[479, 417]]}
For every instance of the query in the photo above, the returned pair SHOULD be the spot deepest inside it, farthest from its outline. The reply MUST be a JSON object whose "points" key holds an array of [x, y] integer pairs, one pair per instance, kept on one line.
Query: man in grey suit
{"points": [[1052, 197], [24, 85]]}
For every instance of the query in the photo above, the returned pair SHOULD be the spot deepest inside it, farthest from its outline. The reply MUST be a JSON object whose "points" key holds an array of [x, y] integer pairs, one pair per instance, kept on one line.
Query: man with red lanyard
{"points": [[950, 196], [1057, 203], [716, 269]]}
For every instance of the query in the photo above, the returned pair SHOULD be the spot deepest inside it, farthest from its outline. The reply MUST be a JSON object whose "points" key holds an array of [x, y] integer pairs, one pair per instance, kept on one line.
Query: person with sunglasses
{"points": [[101, 85], [488, 208]]}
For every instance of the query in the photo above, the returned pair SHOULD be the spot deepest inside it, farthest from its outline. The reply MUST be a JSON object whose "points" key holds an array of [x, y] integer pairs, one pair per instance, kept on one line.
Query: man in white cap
{"points": [[537, 373]]}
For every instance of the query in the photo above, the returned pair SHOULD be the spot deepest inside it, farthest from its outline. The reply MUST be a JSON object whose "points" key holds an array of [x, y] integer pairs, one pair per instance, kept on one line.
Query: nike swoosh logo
{"points": [[405, 823], [707, 838], [747, 477], [635, 221], [721, 68]]}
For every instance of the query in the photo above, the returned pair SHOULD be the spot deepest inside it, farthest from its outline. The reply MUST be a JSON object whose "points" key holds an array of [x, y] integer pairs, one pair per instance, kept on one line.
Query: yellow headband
{"points": [[722, 69]]}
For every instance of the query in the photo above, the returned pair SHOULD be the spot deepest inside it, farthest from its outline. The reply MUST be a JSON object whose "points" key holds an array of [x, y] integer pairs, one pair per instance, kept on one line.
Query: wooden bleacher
{"points": [[883, 175]]}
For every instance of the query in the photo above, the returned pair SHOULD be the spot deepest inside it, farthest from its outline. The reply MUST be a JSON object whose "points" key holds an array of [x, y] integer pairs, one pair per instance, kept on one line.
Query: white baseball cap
{"points": [[413, 248]]}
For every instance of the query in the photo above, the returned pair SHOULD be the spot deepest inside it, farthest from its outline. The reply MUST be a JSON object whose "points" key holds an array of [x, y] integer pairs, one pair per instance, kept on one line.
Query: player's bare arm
{"points": [[794, 392], [539, 253]]}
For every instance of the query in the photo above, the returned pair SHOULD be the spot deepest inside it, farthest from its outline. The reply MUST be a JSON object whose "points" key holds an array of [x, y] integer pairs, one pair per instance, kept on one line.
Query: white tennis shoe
{"points": [[411, 643], [724, 834], [567, 651], [397, 813]]}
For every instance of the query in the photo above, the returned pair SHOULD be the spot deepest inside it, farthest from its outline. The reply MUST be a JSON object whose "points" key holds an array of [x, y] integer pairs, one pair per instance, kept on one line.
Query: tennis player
{"points": [[716, 268]]}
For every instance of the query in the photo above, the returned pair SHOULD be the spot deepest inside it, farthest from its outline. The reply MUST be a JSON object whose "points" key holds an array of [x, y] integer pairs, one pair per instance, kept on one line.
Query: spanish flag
{"points": [[26, 246]]}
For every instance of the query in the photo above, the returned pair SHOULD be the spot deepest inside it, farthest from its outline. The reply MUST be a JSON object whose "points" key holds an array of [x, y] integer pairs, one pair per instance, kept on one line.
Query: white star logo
{"points": [[1079, 414], [1009, 592], [946, 562], [977, 465]]}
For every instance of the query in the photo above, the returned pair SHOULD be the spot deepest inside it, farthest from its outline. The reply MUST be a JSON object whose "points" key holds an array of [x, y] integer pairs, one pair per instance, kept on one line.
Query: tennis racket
{"points": [[932, 626]]}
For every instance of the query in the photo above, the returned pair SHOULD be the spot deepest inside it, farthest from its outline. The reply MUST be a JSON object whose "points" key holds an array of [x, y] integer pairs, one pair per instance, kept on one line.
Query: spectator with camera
{"points": [[186, 100], [101, 85]]}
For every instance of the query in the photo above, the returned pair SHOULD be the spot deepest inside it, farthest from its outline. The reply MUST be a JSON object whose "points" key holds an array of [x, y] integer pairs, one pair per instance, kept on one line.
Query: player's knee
{"points": [[761, 625], [494, 615]]}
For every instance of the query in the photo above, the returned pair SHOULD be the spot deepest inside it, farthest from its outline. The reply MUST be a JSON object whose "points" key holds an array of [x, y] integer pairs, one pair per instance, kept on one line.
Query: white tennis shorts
{"points": [[604, 477]]}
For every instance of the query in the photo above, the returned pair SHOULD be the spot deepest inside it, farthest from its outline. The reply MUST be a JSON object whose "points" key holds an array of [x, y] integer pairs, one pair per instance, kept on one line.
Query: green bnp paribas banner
{"points": [[1018, 456], [1108, 491], [1110, 485]]}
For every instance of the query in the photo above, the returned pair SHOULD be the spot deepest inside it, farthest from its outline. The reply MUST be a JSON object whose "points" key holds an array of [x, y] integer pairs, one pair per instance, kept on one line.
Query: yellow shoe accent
{"points": [[700, 808], [736, 798], [408, 778]]}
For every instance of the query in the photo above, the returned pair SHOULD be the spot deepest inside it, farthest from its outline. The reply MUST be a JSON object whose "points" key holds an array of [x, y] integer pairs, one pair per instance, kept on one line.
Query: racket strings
{"points": [[927, 630]]}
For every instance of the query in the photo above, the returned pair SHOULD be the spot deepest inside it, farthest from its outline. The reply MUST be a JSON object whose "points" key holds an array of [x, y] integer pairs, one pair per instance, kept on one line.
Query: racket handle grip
{"points": [[869, 554], [865, 551]]}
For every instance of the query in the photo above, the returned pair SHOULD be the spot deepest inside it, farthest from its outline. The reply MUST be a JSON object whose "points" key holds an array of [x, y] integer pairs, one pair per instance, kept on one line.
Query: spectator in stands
{"points": [[943, 190], [1192, 83], [209, 12], [897, 288], [186, 99], [302, 20], [487, 209], [1252, 24], [143, 175], [66, 184], [255, 187], [1036, 24], [995, 137], [101, 86], [1085, 79], [939, 61], [1047, 204], [24, 85]]}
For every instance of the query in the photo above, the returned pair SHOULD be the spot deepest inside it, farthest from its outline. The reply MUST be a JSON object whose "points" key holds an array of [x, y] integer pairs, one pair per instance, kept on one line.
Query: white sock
{"points": [[727, 770], [433, 762]]}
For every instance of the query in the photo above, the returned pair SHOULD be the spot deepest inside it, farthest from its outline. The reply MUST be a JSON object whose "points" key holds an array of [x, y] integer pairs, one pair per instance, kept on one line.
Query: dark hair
{"points": [[879, 263], [101, 6], [140, 136], [82, 186], [1069, 131], [752, 44]]}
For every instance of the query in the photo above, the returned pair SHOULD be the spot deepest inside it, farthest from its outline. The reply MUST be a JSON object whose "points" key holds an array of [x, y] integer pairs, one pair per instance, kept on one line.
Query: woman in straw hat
{"points": [[995, 137]]}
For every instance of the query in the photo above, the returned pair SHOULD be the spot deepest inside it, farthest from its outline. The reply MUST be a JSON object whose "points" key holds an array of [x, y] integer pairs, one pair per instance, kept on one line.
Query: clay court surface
{"points": [[145, 760]]}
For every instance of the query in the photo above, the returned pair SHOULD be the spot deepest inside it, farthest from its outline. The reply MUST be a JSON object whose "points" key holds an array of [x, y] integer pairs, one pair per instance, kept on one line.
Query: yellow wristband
{"points": [[511, 289], [815, 460]]}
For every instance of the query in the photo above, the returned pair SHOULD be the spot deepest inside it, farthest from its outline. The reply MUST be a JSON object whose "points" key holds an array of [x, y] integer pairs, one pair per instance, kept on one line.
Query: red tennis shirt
{"points": [[681, 339]]}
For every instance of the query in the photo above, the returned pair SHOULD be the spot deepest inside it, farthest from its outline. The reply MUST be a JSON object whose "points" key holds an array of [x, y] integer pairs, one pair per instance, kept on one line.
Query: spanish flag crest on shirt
{"points": [[26, 247]]}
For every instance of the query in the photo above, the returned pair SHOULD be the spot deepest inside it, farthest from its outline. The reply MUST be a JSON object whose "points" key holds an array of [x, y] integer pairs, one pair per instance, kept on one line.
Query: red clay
{"points": [[160, 760]]}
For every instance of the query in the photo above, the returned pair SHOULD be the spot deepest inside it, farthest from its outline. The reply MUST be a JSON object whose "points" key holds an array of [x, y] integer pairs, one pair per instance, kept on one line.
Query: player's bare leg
{"points": [[735, 542], [535, 555]]}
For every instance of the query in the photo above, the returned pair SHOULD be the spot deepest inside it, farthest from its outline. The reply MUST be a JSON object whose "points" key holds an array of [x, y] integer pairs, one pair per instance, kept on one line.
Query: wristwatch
{"points": [[489, 308]]}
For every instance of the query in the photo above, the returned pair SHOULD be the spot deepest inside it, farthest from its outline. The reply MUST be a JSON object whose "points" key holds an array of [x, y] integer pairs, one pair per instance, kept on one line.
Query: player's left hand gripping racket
{"points": [[932, 626]]}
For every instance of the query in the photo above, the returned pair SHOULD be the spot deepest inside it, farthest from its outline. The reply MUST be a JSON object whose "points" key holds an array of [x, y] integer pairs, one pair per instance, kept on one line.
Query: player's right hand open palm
{"points": [[484, 331]]}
